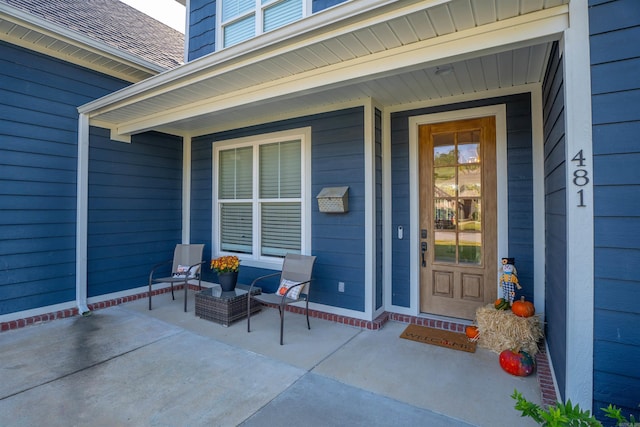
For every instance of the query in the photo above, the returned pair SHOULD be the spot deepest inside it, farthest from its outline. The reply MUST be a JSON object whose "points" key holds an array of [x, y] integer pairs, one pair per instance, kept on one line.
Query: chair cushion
{"points": [[183, 270], [285, 285]]}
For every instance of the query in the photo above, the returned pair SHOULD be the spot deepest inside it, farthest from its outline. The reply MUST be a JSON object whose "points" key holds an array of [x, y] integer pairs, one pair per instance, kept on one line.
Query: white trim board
{"points": [[370, 210], [580, 238]]}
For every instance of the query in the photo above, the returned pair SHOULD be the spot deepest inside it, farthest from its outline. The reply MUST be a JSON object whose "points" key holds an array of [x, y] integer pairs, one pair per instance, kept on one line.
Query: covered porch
{"points": [[126, 365], [376, 62]]}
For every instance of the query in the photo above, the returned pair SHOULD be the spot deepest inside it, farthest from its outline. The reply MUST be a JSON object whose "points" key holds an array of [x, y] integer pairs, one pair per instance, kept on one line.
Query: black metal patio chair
{"points": [[185, 267], [294, 285]]}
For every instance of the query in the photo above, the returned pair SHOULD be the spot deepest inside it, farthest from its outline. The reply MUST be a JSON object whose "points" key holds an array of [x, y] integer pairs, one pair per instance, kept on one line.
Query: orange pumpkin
{"points": [[472, 332], [523, 308]]}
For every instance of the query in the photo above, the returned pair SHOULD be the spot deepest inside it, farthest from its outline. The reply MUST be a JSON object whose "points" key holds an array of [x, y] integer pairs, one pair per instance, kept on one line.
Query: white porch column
{"points": [[579, 166], [186, 189], [82, 213]]}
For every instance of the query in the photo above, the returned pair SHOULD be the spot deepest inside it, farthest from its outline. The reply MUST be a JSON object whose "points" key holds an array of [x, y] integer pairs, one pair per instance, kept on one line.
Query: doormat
{"points": [[440, 337]]}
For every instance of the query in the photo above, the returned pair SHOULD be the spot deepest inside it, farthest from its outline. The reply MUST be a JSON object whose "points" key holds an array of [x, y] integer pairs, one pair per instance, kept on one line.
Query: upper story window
{"points": [[243, 19]]}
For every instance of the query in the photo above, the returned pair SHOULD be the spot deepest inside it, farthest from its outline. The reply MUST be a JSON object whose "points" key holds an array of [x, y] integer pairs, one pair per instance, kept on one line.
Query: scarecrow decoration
{"points": [[509, 279]]}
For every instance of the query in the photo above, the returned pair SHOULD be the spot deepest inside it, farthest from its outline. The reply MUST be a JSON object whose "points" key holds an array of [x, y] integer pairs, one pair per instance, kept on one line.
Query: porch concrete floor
{"points": [[127, 366]]}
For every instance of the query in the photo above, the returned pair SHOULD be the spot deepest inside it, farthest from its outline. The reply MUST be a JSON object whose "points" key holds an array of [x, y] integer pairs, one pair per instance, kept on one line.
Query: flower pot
{"points": [[228, 281]]}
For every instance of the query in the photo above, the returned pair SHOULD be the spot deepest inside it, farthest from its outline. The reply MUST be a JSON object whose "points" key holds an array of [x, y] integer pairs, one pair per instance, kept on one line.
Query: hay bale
{"points": [[501, 330]]}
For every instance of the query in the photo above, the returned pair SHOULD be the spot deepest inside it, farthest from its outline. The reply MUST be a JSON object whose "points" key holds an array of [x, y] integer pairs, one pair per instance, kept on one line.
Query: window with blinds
{"points": [[243, 19], [259, 196]]}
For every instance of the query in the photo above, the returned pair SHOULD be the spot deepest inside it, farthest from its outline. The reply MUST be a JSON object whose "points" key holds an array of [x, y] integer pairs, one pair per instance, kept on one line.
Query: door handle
{"points": [[423, 247]]}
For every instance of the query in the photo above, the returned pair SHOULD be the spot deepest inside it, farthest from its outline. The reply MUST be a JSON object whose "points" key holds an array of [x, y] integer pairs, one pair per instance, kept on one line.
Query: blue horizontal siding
{"points": [[337, 153], [614, 33], [616, 262], [202, 28], [613, 326], [555, 216], [613, 16], [135, 208], [614, 201], [627, 70], [318, 5], [616, 138], [607, 295], [400, 250], [614, 45], [617, 390], [379, 251], [606, 107], [38, 164], [614, 232]]}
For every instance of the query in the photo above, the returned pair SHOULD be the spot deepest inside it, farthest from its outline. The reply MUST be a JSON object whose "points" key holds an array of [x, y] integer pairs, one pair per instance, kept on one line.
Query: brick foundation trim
{"points": [[545, 378], [40, 318], [375, 324]]}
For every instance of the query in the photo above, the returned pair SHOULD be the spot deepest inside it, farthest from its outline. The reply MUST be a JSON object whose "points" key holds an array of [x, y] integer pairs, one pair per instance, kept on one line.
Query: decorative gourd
{"points": [[472, 332], [501, 304], [523, 308], [518, 363]]}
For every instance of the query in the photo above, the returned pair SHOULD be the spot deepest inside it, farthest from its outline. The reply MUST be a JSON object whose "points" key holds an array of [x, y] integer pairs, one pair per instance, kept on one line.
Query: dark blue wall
{"points": [[202, 28], [555, 217], [337, 157], [615, 86], [201, 199], [135, 208], [379, 250], [38, 162], [520, 178], [318, 5]]}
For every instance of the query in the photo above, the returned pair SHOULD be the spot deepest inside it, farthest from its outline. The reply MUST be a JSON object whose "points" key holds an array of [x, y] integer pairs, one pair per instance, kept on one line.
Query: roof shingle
{"points": [[114, 23]]}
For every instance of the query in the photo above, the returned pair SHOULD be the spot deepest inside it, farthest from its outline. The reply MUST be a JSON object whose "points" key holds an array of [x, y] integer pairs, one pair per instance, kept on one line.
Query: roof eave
{"points": [[134, 64], [254, 49]]}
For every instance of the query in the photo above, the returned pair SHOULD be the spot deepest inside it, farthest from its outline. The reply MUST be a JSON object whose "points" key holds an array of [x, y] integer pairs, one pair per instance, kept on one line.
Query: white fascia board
{"points": [[255, 50], [544, 25], [62, 33], [276, 116]]}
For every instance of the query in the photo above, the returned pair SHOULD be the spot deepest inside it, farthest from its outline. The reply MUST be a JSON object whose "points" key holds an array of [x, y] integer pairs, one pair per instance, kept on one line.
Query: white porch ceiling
{"points": [[386, 50]]}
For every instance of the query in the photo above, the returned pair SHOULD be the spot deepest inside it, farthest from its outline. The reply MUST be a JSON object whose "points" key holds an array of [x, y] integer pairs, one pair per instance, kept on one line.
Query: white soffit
{"points": [[390, 53]]}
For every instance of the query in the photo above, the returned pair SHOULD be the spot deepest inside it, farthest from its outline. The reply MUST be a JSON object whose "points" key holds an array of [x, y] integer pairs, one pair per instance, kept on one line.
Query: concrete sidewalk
{"points": [[126, 366]]}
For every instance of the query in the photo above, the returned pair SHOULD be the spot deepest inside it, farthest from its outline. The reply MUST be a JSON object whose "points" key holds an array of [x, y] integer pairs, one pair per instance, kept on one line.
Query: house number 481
{"points": [[580, 176]]}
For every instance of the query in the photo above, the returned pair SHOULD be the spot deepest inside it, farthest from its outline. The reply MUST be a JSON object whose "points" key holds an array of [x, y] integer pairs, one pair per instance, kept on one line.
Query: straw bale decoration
{"points": [[501, 329], [498, 328]]}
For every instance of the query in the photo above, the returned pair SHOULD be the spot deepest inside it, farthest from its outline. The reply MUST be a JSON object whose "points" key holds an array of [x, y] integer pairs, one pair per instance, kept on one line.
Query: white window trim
{"points": [[258, 11], [255, 259]]}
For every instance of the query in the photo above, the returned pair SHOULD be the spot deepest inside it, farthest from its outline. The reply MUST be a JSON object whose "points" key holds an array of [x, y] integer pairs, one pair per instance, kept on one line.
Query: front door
{"points": [[458, 227]]}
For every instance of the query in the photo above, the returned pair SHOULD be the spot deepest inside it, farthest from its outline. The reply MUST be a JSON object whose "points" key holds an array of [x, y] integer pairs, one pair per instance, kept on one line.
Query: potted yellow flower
{"points": [[227, 268]]}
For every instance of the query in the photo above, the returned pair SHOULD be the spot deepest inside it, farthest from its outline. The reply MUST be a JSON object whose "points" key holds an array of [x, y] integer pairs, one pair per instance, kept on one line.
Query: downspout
{"points": [[82, 214]]}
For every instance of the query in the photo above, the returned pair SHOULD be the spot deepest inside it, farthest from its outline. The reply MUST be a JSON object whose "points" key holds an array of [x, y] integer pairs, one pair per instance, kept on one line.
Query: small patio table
{"points": [[225, 307]]}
